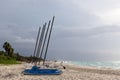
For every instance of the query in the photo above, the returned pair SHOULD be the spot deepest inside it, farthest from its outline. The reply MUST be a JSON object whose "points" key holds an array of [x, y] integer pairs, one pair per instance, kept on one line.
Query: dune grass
{"points": [[8, 60]]}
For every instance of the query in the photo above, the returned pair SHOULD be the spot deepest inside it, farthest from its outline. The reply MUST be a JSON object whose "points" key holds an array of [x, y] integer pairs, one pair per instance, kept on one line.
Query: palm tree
{"points": [[8, 48]]}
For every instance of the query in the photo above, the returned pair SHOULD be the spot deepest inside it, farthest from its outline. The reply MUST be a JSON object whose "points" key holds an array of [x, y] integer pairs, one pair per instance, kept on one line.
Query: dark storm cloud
{"points": [[85, 32], [77, 30], [99, 43]]}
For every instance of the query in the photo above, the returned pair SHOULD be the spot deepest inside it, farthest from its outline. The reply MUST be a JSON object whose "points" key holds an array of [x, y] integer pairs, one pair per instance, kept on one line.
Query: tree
{"points": [[2, 53], [8, 48]]}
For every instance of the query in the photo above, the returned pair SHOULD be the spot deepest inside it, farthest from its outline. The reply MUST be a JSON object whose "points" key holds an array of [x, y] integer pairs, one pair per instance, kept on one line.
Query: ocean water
{"points": [[98, 64]]}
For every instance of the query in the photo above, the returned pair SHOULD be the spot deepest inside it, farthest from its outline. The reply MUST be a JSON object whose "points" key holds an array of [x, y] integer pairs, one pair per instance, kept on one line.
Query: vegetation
{"points": [[8, 60], [10, 57], [8, 48]]}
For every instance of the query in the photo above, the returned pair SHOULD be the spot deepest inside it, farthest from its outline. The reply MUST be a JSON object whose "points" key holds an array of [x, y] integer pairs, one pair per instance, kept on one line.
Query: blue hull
{"points": [[37, 71]]}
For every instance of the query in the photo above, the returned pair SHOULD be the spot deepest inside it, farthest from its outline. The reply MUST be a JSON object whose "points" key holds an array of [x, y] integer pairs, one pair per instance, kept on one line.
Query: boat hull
{"points": [[37, 71]]}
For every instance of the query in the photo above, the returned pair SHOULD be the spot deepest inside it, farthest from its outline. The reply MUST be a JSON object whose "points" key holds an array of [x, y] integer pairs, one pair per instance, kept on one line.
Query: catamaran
{"points": [[38, 51]]}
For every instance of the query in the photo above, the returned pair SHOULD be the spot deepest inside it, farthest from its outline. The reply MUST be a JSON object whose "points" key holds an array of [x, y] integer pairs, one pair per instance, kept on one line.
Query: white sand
{"points": [[13, 72]]}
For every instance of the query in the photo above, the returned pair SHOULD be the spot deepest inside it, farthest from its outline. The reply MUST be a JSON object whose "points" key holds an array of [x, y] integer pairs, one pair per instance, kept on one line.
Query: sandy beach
{"points": [[13, 72]]}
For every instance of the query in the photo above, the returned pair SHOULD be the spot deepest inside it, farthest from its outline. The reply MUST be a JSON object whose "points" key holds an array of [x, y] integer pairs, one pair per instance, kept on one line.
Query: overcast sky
{"points": [[85, 30]]}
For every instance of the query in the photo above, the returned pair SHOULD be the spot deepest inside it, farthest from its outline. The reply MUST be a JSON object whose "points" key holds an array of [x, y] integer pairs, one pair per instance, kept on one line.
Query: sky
{"points": [[84, 30]]}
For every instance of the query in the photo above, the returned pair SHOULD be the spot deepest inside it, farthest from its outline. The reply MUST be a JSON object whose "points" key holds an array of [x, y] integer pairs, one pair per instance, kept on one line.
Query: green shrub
{"points": [[8, 60]]}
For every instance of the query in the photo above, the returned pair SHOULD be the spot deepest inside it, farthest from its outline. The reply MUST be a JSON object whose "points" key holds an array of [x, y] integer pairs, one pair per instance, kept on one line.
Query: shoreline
{"points": [[72, 72], [102, 70]]}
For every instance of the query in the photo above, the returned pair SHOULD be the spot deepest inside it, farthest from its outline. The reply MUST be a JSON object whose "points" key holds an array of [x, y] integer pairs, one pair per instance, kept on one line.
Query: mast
{"points": [[40, 40], [37, 41], [48, 40], [44, 40], [36, 45]]}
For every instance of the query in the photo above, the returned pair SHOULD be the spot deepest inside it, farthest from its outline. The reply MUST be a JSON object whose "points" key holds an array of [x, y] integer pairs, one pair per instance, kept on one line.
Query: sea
{"points": [[97, 64]]}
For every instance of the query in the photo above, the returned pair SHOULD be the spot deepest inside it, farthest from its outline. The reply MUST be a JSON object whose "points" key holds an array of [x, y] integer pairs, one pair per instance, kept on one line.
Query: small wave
{"points": [[110, 64]]}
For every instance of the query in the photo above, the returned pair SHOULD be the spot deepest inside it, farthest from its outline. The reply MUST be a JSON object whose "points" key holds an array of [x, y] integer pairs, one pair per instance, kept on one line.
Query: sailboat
{"points": [[39, 47]]}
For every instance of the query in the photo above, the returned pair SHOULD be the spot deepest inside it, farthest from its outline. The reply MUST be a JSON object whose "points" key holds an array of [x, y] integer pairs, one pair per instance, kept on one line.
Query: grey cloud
{"points": [[81, 44], [21, 40], [77, 32], [85, 32], [34, 13]]}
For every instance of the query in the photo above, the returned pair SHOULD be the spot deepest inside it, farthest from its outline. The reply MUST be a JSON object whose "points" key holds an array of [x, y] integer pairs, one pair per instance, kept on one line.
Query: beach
{"points": [[72, 72]]}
